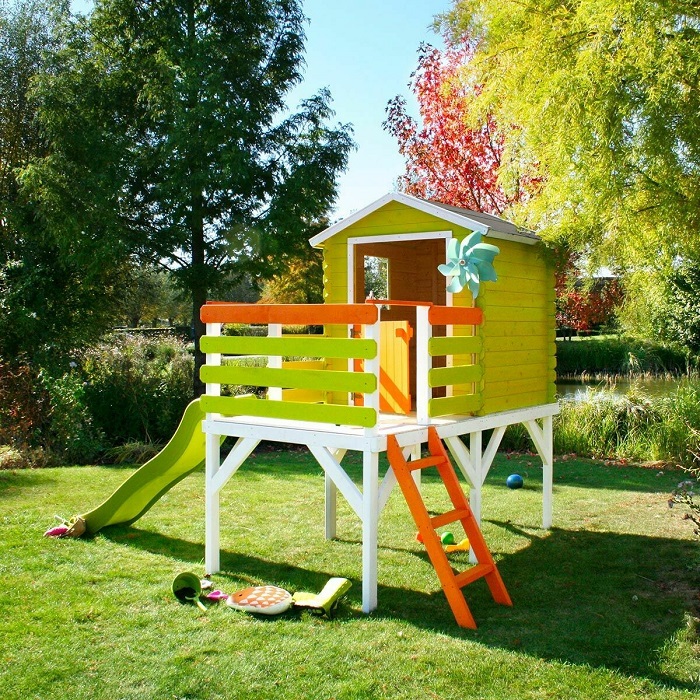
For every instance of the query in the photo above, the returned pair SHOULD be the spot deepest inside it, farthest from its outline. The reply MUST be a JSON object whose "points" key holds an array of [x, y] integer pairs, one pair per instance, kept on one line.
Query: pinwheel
{"points": [[469, 263]]}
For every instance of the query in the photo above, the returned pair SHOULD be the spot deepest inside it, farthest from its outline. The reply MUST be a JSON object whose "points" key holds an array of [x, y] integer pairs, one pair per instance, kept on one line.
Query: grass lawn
{"points": [[605, 604]]}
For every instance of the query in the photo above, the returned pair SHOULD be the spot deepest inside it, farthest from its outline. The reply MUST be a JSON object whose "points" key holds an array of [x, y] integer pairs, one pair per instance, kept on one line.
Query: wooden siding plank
{"points": [[511, 313], [515, 386], [455, 345], [451, 315], [454, 405], [494, 360], [508, 403], [506, 344]]}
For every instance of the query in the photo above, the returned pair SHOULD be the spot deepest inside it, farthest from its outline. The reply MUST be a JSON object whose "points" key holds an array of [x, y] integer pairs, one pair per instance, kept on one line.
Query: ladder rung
{"points": [[452, 516], [424, 463], [473, 574]]}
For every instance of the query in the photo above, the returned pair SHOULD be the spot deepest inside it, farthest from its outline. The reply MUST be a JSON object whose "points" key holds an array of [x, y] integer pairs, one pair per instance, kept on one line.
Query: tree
{"points": [[606, 96], [171, 143], [447, 158], [47, 304], [300, 282]]}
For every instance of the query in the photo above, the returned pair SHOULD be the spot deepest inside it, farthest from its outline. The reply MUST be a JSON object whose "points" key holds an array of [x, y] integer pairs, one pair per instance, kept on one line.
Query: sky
{"points": [[364, 51]]}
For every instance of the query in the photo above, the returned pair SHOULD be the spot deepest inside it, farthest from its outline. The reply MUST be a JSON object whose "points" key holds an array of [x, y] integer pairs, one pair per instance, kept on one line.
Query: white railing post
{"points": [[274, 330], [213, 358], [371, 400], [213, 463], [423, 364]]}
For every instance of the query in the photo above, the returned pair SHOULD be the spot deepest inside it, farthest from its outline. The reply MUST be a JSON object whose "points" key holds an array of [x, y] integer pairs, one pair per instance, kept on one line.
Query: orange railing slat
{"points": [[289, 314]]}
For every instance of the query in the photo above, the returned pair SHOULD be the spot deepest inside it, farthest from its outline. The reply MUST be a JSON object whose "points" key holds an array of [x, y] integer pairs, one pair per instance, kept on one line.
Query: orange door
{"points": [[394, 372]]}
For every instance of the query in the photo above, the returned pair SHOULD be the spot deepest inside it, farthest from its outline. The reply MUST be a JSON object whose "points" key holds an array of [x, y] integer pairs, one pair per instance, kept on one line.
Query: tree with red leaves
{"points": [[447, 159], [582, 306]]}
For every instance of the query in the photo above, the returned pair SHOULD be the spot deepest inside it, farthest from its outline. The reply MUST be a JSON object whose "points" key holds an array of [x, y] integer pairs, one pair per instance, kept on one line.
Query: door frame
{"points": [[390, 238]]}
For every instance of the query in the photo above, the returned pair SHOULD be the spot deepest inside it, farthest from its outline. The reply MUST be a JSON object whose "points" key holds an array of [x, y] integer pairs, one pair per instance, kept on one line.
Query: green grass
{"points": [[605, 604]]}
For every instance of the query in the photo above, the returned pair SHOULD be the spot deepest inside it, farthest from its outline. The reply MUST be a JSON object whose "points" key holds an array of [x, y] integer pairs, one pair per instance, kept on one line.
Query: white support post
{"points": [[415, 452], [213, 463], [211, 536], [423, 364], [370, 517], [475, 446], [543, 438], [274, 330], [331, 500], [547, 472]]}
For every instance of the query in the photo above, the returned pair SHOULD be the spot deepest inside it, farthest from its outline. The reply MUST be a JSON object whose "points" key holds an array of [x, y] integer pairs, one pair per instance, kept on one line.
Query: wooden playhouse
{"points": [[391, 372]]}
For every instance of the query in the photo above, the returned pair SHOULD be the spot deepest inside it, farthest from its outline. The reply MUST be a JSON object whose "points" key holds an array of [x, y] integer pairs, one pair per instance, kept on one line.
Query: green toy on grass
{"points": [[326, 602], [187, 588]]}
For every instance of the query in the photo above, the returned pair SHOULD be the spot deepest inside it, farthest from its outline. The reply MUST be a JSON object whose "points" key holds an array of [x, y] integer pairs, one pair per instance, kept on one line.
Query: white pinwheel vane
{"points": [[469, 263]]}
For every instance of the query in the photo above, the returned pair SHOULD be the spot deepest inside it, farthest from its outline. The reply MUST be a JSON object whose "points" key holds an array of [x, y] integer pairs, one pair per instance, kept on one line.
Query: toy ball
{"points": [[514, 481], [447, 538]]}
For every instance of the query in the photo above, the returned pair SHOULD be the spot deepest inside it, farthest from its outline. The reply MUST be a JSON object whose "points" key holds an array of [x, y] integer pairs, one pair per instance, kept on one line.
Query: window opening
{"points": [[376, 277]]}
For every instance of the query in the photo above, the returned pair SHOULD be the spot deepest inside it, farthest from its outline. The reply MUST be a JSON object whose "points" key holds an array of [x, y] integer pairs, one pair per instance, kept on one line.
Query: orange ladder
{"points": [[452, 583]]}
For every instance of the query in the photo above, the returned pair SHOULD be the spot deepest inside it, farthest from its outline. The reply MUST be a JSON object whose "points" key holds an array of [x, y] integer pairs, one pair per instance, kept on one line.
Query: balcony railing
{"points": [[314, 389]]}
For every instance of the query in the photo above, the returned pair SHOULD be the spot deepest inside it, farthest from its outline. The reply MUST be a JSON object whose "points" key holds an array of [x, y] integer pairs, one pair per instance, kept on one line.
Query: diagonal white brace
{"points": [[234, 459], [340, 478]]}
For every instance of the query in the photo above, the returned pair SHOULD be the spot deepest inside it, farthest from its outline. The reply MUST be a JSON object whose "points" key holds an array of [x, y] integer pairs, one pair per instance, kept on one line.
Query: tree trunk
{"points": [[199, 298], [198, 281], [198, 285]]}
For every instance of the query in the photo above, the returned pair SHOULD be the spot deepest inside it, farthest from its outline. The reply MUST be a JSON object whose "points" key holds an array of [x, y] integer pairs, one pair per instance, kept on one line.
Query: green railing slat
{"points": [[345, 348], [455, 345], [325, 380], [291, 410], [449, 376], [459, 405]]}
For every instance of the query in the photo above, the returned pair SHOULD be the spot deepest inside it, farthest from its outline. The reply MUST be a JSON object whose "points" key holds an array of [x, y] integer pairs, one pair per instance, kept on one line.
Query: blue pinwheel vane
{"points": [[469, 263]]}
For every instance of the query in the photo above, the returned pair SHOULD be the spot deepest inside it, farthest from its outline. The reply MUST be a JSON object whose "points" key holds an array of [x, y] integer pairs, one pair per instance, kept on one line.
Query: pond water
{"points": [[577, 391]]}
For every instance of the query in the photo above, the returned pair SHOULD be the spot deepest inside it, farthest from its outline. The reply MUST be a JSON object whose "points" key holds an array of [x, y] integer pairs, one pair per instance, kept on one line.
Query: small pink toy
{"points": [[58, 531]]}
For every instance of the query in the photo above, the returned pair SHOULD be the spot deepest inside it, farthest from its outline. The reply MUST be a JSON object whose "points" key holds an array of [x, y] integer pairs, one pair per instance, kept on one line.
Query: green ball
{"points": [[447, 538]]}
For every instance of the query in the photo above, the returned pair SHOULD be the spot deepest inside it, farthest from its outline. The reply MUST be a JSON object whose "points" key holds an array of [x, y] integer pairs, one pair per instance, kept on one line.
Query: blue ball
{"points": [[514, 481]]}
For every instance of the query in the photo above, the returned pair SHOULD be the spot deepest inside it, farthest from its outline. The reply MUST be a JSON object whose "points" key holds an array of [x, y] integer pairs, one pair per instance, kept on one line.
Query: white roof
{"points": [[487, 224]]}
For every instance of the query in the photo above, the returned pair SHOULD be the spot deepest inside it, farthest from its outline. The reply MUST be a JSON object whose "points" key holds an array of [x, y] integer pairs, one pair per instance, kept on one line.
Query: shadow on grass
{"points": [[587, 598], [283, 462], [11, 481]]}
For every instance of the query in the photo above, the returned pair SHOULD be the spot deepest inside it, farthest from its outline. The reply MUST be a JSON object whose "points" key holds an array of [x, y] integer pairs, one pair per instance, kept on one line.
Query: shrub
{"points": [[24, 405], [621, 355], [69, 435], [137, 388], [11, 458]]}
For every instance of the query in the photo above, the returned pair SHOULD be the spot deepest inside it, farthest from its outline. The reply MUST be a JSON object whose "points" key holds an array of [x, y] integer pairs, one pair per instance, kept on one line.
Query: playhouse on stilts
{"points": [[463, 343]]}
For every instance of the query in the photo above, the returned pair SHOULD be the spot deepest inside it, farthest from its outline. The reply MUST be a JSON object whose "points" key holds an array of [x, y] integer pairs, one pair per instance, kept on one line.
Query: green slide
{"points": [[180, 457]]}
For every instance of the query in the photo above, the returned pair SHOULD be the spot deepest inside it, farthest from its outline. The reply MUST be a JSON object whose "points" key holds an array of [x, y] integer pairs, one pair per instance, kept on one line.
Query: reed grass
{"points": [[622, 356], [635, 426]]}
